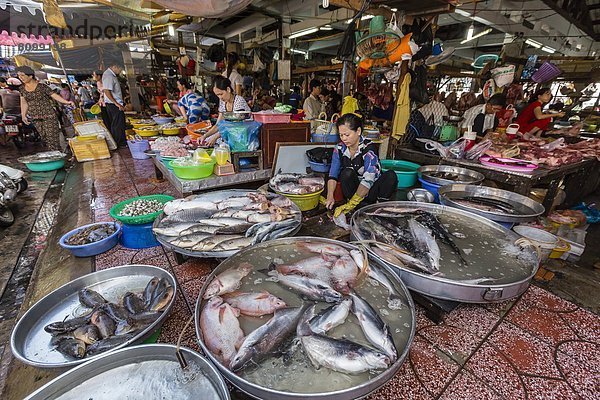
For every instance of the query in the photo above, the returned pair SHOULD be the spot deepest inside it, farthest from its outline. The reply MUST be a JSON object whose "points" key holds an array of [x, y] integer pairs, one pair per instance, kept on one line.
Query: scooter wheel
{"points": [[22, 185], [6, 217], [19, 141]]}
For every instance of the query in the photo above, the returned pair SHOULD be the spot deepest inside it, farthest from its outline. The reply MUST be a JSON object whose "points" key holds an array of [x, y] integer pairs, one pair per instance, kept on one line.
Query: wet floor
{"points": [[536, 346]]}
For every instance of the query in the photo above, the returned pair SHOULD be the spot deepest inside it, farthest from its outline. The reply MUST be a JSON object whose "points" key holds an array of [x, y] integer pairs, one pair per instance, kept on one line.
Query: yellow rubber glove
{"points": [[322, 200], [349, 206]]}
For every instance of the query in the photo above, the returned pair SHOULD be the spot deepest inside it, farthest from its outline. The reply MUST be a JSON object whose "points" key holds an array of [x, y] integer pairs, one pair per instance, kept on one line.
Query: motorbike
{"points": [[11, 183], [19, 132]]}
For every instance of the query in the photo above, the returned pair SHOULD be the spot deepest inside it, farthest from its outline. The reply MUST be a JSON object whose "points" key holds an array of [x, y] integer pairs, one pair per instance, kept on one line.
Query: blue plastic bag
{"points": [[240, 136], [592, 214]]}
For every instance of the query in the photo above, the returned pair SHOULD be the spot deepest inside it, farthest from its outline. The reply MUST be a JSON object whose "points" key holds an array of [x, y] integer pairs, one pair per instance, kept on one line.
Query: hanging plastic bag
{"points": [[393, 27], [505, 116], [503, 76], [240, 136], [489, 89]]}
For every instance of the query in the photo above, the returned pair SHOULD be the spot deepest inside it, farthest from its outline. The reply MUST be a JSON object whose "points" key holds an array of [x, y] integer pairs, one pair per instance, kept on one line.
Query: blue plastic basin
{"points": [[46, 166], [91, 249], [319, 167], [432, 187], [138, 236], [406, 171]]}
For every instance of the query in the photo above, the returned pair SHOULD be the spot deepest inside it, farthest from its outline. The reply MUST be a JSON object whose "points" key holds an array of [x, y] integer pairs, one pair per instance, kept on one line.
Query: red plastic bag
{"points": [[505, 116]]}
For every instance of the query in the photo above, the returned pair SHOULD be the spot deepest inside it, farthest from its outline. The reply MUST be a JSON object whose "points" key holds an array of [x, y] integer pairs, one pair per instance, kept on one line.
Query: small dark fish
{"points": [[161, 300], [133, 303], [116, 312], [70, 347], [499, 204], [90, 298], [156, 289], [136, 323], [69, 325], [150, 288], [438, 230], [88, 334], [106, 326], [107, 344]]}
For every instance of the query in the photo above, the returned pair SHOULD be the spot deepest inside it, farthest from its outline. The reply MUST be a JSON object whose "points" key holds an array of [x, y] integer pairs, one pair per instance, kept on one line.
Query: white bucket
{"points": [[512, 129], [544, 241]]}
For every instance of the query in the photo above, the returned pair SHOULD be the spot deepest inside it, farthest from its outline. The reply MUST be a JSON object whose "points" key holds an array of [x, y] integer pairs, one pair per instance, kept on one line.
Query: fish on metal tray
{"points": [[172, 229], [399, 258], [271, 230], [187, 215], [261, 342], [211, 242], [426, 243], [438, 230], [221, 329], [227, 281], [375, 272], [200, 229], [329, 249], [376, 331], [233, 244], [106, 326], [68, 325], [90, 298], [89, 334], [495, 204], [331, 317], [254, 304], [344, 274], [70, 347], [316, 267], [107, 344], [311, 289], [133, 303]]}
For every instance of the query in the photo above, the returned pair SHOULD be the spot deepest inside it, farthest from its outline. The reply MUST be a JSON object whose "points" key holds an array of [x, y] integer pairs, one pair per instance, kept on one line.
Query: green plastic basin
{"points": [[406, 171], [46, 166], [193, 171]]}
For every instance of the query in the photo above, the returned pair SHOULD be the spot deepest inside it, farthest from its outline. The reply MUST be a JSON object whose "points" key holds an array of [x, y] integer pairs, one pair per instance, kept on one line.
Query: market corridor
{"points": [[537, 346]]}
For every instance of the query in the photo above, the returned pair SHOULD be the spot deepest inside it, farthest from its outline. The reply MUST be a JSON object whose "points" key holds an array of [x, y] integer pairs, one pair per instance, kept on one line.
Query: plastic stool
{"points": [[138, 236]]}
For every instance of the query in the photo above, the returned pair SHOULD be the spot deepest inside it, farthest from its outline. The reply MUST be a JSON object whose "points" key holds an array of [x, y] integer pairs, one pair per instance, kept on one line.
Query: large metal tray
{"points": [[114, 376], [31, 344], [527, 209], [490, 246], [464, 175], [218, 254], [405, 317]]}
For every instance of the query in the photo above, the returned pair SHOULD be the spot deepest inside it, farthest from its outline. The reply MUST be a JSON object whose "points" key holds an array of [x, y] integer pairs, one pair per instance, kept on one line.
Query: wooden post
{"points": [[130, 74]]}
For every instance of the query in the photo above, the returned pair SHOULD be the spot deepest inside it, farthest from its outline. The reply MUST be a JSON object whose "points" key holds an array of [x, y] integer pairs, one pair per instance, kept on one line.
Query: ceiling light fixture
{"points": [[326, 28], [534, 43], [480, 34], [548, 49], [303, 33], [366, 17], [171, 30], [470, 32]]}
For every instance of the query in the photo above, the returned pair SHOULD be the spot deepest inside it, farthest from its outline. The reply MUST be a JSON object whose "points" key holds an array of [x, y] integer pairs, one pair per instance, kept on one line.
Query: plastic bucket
{"points": [[432, 187], [138, 236], [91, 249], [319, 167], [561, 248], [305, 202], [137, 148], [544, 241], [406, 171]]}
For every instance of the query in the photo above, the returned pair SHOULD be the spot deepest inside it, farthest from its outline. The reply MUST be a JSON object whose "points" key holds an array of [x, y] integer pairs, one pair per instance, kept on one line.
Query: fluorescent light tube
{"points": [[534, 43], [303, 33], [480, 34], [548, 49], [171, 30]]}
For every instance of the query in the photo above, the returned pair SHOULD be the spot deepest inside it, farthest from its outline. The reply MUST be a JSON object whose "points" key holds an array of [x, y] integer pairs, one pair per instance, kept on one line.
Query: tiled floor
{"points": [[535, 347]]}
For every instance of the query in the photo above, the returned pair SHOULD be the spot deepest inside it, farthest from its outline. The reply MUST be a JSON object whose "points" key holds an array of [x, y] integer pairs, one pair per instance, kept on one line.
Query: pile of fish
{"points": [[141, 207], [329, 273], [296, 183], [411, 235], [91, 234], [106, 325], [487, 204], [229, 222]]}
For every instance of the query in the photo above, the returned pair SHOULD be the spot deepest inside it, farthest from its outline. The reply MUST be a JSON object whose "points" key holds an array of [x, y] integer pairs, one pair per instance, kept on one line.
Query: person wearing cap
{"points": [[482, 117], [38, 107], [115, 106]]}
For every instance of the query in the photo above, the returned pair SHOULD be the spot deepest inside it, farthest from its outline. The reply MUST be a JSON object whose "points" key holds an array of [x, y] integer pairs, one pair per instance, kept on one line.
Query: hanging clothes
{"points": [[350, 105], [402, 114]]}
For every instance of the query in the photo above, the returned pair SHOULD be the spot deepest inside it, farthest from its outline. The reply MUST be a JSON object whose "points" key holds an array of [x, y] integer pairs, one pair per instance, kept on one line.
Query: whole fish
{"points": [[150, 288], [106, 326], [88, 334], [342, 355], [68, 325], [398, 230], [426, 242], [174, 229], [186, 216], [161, 300], [191, 240], [115, 311], [210, 243], [344, 274], [233, 244], [227, 281], [222, 221], [399, 258], [377, 274], [317, 267], [269, 230], [221, 329], [331, 317], [90, 298], [254, 304], [107, 344], [200, 229], [283, 229], [312, 180], [329, 249], [137, 322], [70, 347], [439, 231], [312, 289], [189, 203], [264, 340], [375, 330], [282, 201]]}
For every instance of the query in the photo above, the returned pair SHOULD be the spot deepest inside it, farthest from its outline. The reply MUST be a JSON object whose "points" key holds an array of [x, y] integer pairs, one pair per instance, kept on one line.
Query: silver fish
{"points": [[221, 329], [312, 289], [271, 230], [224, 221], [268, 337], [342, 355], [227, 281], [344, 274], [189, 241], [324, 248], [376, 331], [425, 240], [316, 267], [213, 241], [401, 259], [178, 205], [201, 229], [233, 244], [331, 317], [254, 304], [174, 229]]}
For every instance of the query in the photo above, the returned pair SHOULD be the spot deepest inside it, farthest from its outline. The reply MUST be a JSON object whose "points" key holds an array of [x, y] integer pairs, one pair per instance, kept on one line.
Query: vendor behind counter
{"points": [[532, 120], [482, 117]]}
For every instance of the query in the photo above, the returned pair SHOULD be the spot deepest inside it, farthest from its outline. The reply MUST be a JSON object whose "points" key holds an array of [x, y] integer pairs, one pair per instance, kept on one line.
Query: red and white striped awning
{"points": [[14, 39]]}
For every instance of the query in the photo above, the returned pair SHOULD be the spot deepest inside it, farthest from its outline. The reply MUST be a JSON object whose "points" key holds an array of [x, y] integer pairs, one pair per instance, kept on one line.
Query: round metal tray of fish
{"points": [[305, 318], [94, 314], [138, 372], [446, 252], [495, 204], [448, 174], [219, 224]]}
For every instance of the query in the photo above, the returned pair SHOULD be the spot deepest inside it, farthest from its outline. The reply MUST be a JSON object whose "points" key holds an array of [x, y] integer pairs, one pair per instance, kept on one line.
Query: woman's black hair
{"points": [[185, 83], [497, 100], [539, 92], [232, 59], [64, 85], [352, 121], [222, 83]]}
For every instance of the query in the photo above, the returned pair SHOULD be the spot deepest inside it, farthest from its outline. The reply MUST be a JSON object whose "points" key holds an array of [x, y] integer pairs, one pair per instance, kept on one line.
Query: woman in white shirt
{"points": [[228, 102], [231, 73]]}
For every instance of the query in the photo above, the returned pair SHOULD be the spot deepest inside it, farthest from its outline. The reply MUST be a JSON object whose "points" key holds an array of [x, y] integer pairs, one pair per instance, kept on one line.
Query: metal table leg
{"points": [[435, 309]]}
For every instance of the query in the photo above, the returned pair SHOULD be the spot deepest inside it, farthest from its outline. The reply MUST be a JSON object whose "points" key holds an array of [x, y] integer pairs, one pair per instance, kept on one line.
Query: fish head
{"points": [[303, 327], [214, 302], [377, 360], [245, 268]]}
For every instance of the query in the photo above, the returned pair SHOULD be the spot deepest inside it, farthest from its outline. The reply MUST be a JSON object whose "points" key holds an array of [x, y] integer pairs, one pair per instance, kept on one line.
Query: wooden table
{"points": [[518, 182], [186, 187]]}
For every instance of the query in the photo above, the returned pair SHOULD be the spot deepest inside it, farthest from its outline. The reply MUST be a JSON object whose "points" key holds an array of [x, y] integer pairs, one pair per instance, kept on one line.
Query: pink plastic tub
{"points": [[268, 118]]}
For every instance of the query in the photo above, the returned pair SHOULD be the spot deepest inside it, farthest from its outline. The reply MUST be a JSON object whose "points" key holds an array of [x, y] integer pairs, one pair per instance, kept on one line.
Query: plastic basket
{"points": [[192, 128], [305, 202], [141, 219], [272, 118], [546, 72]]}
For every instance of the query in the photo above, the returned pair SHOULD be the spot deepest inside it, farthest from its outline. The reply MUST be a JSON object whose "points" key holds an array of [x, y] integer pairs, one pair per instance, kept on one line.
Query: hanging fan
{"points": [[379, 43]]}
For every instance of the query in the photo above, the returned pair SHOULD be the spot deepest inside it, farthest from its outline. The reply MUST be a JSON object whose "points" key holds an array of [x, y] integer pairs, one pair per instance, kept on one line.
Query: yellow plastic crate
{"points": [[89, 150]]}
